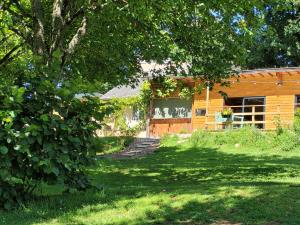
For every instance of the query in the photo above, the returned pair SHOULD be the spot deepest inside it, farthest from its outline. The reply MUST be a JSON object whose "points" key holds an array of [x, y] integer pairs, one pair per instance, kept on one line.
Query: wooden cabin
{"points": [[260, 98]]}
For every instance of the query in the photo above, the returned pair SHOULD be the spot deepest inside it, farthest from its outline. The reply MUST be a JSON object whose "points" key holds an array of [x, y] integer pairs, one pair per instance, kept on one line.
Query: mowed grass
{"points": [[180, 184]]}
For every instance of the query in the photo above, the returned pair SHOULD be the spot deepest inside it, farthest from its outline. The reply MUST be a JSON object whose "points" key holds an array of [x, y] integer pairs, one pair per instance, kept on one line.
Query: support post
{"points": [[253, 116], [207, 105]]}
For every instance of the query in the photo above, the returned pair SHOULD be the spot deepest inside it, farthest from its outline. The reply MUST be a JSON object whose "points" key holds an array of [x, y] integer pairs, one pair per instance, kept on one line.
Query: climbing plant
{"points": [[138, 103]]}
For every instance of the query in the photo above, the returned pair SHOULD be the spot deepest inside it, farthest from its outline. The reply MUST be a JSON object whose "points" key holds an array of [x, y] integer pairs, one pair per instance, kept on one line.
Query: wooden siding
{"points": [[159, 127], [278, 88]]}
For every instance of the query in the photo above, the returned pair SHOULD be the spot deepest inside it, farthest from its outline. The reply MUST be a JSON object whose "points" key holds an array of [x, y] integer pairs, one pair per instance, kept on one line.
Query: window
{"points": [[297, 102], [250, 109], [172, 108], [200, 112]]}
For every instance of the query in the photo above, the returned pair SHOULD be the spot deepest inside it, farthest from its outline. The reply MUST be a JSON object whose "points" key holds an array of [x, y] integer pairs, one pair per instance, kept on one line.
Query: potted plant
{"points": [[226, 113]]}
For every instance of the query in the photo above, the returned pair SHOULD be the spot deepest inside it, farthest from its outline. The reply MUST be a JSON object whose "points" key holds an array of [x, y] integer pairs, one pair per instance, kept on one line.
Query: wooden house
{"points": [[260, 98]]}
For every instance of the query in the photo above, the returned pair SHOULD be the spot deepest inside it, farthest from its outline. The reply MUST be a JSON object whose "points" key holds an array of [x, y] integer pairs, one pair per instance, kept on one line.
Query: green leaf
{"points": [[55, 170], [3, 150], [44, 117]]}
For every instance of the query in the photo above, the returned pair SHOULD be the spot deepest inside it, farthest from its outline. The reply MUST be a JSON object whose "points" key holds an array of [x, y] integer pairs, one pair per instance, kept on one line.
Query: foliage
{"points": [[185, 91], [287, 140], [138, 103], [226, 112], [166, 31], [278, 124], [275, 40], [165, 87], [145, 96], [297, 121], [46, 136], [118, 117]]}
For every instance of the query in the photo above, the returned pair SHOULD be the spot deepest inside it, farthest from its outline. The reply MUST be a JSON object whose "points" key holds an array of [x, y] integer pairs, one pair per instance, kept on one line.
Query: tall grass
{"points": [[286, 140]]}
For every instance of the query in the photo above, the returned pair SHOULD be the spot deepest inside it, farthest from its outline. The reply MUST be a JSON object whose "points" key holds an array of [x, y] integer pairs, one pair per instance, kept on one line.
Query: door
{"points": [[256, 105]]}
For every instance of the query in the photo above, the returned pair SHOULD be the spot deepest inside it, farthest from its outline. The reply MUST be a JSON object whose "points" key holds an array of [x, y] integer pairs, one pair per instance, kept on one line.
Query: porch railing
{"points": [[267, 114]]}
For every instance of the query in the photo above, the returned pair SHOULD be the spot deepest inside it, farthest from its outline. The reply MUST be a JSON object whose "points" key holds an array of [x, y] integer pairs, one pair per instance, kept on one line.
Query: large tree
{"points": [[106, 40]]}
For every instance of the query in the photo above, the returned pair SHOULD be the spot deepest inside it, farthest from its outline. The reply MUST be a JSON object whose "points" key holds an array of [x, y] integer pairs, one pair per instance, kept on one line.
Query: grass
{"points": [[111, 144], [183, 183]]}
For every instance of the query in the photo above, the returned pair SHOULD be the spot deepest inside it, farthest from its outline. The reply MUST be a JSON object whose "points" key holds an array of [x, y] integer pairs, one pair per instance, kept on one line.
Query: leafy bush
{"points": [[297, 121], [45, 136], [287, 140], [246, 136]]}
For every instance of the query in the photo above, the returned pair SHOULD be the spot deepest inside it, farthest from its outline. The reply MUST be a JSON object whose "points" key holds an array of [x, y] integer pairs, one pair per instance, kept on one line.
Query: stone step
{"points": [[134, 151], [139, 147], [145, 148], [146, 145], [147, 141]]}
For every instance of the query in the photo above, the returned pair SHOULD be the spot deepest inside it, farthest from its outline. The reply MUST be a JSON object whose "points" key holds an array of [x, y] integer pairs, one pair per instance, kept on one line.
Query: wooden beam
{"points": [[279, 76]]}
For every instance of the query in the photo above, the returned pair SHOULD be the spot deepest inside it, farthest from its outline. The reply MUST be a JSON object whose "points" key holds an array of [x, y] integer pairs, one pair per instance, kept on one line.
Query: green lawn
{"points": [[180, 184]]}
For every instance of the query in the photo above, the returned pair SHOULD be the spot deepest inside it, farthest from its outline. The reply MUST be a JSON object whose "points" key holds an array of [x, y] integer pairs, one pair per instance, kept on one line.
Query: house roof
{"points": [[128, 91], [123, 91], [81, 96]]}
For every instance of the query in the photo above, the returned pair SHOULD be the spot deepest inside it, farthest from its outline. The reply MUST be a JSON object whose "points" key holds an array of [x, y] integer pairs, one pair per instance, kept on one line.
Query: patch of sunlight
{"points": [[153, 174]]}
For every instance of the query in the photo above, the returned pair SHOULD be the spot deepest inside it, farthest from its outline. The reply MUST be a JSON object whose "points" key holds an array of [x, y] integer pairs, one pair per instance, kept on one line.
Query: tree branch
{"points": [[27, 39], [57, 24], [5, 38], [7, 56], [77, 37], [80, 12]]}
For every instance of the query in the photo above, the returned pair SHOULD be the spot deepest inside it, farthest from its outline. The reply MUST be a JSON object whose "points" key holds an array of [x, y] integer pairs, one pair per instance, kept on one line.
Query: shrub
{"points": [[287, 140], [202, 137], [297, 121], [45, 136], [246, 136]]}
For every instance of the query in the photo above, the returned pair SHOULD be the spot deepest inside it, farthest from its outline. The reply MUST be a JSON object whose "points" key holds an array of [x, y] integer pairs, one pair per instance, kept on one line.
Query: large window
{"points": [[172, 108], [250, 109]]}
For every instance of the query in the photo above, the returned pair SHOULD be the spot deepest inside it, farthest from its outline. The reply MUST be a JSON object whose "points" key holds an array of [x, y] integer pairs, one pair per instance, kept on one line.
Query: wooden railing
{"points": [[251, 112]]}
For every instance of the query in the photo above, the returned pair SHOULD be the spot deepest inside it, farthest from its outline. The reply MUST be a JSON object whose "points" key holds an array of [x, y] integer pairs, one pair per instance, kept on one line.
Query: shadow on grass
{"points": [[174, 171], [197, 166], [268, 207]]}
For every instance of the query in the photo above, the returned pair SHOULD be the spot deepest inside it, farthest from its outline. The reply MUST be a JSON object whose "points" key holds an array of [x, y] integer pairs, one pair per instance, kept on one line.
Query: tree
{"points": [[107, 40], [276, 37]]}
